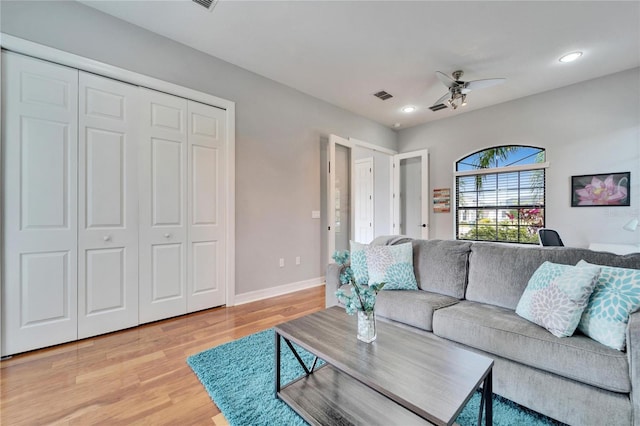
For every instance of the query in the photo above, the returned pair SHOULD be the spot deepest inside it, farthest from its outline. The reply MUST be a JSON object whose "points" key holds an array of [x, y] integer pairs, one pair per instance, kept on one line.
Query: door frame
{"points": [[81, 63], [391, 153], [331, 191], [423, 154]]}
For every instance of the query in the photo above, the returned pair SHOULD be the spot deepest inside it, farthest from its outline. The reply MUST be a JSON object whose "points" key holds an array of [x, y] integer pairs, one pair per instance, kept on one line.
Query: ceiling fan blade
{"points": [[482, 84], [445, 79], [442, 99]]}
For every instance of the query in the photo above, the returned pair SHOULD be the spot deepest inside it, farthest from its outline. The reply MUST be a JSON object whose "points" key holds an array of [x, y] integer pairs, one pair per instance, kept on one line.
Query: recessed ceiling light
{"points": [[570, 57], [396, 125], [408, 108]]}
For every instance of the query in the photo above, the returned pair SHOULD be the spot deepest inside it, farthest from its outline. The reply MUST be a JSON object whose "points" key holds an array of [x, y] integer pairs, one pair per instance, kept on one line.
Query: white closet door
{"points": [[163, 201], [39, 117], [363, 195], [206, 208], [108, 206]]}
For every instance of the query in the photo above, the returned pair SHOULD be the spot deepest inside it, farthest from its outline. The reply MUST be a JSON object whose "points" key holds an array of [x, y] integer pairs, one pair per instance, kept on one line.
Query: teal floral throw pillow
{"points": [[359, 262], [616, 296], [392, 265], [556, 296]]}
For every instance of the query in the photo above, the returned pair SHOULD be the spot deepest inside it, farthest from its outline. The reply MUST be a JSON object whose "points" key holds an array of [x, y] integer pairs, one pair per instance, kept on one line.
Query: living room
{"points": [[587, 126]]}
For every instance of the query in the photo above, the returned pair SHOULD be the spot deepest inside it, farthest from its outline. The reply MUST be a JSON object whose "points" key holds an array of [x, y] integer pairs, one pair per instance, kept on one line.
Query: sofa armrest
{"points": [[332, 283], [633, 356]]}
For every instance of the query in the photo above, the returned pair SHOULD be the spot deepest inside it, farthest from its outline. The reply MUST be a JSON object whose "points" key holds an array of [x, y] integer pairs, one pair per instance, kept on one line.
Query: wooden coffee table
{"points": [[401, 378]]}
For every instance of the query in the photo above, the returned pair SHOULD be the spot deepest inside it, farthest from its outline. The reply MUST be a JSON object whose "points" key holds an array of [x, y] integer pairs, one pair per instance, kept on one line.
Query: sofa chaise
{"points": [[468, 293]]}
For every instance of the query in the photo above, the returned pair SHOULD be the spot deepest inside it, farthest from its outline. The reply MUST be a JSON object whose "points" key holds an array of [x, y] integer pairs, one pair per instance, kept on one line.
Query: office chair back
{"points": [[549, 237]]}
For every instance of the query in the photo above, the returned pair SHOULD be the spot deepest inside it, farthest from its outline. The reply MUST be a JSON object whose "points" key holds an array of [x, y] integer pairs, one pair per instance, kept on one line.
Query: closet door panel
{"points": [[168, 278], [205, 168], [44, 174], [163, 198], [205, 269], [105, 178], [167, 180], [105, 280], [108, 187], [39, 118], [44, 289], [207, 141]]}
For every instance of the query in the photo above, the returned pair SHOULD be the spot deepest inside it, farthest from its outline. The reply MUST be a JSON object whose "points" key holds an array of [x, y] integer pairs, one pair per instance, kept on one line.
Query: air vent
{"points": [[381, 94], [207, 4], [437, 107]]}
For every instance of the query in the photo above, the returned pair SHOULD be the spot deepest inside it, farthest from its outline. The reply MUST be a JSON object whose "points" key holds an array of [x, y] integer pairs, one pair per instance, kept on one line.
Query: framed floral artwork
{"points": [[607, 189]]}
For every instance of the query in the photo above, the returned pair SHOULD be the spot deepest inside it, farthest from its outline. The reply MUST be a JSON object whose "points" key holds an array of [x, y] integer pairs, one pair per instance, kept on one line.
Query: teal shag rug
{"points": [[240, 378]]}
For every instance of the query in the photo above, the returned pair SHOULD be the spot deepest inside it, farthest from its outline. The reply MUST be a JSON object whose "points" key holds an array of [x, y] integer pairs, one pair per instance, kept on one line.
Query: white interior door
{"points": [[108, 205], [364, 202], [411, 194], [206, 207], [40, 119], [339, 182], [163, 200]]}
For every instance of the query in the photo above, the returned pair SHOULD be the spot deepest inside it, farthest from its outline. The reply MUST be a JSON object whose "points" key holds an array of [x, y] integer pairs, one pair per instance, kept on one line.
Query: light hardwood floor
{"points": [[135, 376]]}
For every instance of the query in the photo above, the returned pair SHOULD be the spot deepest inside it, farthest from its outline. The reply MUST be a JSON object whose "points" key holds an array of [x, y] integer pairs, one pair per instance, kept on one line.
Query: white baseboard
{"points": [[253, 296]]}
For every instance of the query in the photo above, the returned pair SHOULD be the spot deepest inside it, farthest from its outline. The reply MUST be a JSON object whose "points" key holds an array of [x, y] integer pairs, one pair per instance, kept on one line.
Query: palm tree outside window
{"points": [[500, 194]]}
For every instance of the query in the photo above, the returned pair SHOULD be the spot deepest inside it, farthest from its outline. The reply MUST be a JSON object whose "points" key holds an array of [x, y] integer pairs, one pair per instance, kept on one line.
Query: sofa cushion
{"points": [[557, 295], [412, 307], [441, 266], [501, 332], [616, 296], [499, 273], [392, 265]]}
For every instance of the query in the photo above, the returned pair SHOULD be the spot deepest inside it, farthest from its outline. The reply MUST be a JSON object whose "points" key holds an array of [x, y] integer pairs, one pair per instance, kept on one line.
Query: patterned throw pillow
{"points": [[556, 296], [392, 265], [359, 262], [616, 296]]}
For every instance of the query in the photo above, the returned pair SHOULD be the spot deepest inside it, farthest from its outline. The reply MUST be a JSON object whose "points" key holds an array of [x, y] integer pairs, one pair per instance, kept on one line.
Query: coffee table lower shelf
{"points": [[331, 397]]}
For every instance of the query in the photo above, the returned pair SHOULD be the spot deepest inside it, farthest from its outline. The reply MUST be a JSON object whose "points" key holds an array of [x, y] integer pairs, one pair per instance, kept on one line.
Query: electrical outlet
{"points": [[282, 262], [297, 260]]}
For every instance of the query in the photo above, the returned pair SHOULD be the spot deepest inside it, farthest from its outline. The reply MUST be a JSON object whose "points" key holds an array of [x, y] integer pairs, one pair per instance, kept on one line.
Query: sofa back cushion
{"points": [[499, 273], [441, 266]]}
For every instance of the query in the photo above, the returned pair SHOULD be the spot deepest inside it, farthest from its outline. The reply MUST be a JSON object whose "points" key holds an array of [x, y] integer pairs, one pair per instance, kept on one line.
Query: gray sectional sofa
{"points": [[468, 293]]}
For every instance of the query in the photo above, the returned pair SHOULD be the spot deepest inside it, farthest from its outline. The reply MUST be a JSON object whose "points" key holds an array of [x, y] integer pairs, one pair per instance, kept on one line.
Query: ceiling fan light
{"points": [[464, 100], [570, 57]]}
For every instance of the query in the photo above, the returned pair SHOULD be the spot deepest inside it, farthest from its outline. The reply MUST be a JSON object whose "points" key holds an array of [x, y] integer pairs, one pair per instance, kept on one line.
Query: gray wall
{"points": [[586, 128], [278, 131]]}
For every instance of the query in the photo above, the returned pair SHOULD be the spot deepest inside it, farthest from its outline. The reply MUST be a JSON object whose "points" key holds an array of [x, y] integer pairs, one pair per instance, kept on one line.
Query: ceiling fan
{"points": [[458, 89]]}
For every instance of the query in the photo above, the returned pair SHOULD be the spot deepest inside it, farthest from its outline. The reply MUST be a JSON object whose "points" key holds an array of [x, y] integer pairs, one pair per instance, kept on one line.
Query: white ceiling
{"points": [[344, 51]]}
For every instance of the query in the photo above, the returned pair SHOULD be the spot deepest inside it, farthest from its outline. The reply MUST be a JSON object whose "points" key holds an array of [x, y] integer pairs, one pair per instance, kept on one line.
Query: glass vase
{"points": [[367, 326]]}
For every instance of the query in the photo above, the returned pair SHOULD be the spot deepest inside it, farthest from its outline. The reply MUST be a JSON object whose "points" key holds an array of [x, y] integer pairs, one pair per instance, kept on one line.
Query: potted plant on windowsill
{"points": [[361, 300]]}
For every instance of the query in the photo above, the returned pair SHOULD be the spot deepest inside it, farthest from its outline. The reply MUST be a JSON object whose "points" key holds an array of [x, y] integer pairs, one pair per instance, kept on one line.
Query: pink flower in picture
{"points": [[599, 193]]}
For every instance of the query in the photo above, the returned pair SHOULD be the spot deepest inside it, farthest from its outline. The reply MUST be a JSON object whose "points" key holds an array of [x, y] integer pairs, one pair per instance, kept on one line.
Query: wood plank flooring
{"points": [[135, 376]]}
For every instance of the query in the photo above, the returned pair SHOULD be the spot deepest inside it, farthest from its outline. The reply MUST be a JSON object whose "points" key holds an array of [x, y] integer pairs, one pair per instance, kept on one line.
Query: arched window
{"points": [[500, 194]]}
